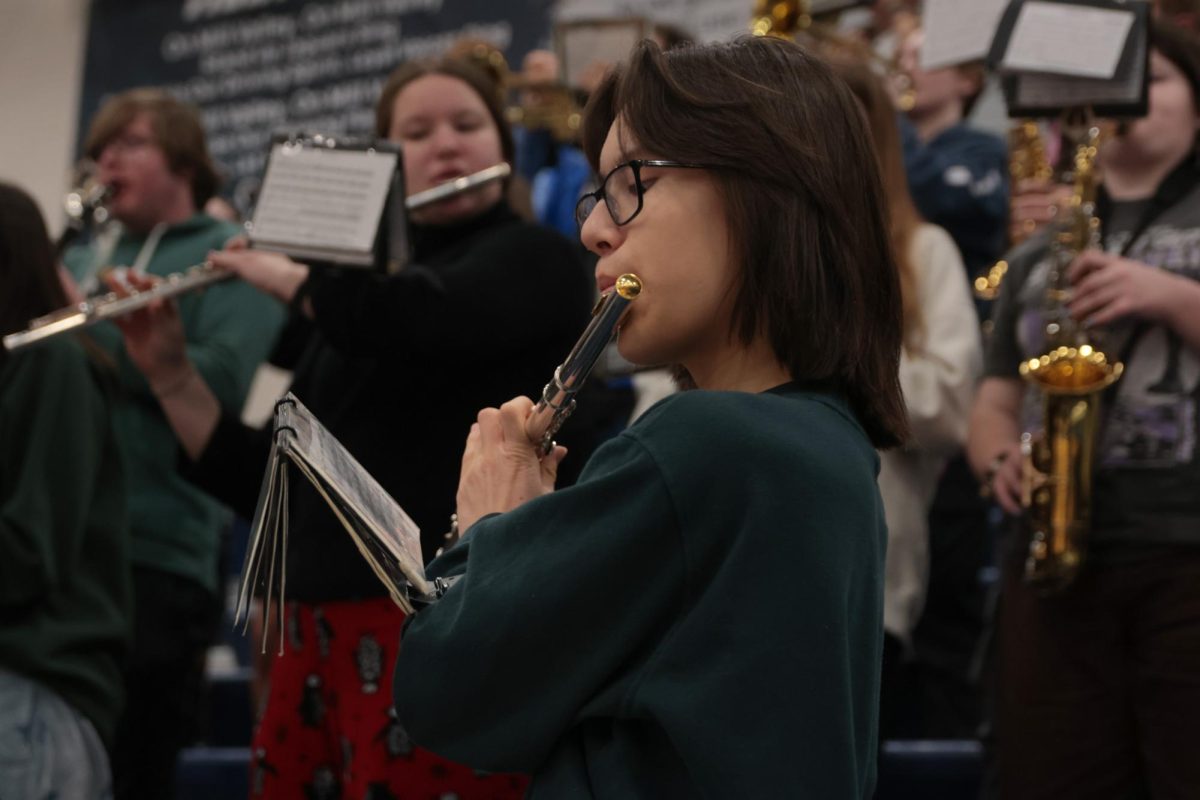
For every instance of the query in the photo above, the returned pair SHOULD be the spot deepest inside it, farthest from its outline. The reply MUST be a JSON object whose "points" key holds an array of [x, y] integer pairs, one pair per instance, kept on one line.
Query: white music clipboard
{"points": [[324, 199]]}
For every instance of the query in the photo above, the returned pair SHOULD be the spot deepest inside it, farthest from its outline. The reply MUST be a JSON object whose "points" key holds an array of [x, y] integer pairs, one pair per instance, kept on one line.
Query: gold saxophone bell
{"points": [[1057, 468], [1058, 464]]}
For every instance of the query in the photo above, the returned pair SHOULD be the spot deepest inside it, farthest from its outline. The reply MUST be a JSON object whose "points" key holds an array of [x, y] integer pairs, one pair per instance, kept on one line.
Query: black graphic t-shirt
{"points": [[1147, 487]]}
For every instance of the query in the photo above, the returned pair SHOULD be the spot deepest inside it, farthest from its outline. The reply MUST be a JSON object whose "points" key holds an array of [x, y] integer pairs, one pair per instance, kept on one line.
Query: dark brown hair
{"points": [[976, 71], [1181, 47], [903, 218], [673, 36], [178, 132], [803, 202], [466, 72], [486, 57], [1181, 12], [29, 284]]}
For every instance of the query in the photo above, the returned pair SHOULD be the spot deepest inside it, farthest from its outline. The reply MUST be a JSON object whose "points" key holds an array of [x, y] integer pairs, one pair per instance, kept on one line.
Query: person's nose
{"points": [[599, 233]]}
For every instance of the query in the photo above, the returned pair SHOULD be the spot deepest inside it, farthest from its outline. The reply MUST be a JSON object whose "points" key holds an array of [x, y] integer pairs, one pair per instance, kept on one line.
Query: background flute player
{"points": [[396, 369], [150, 151]]}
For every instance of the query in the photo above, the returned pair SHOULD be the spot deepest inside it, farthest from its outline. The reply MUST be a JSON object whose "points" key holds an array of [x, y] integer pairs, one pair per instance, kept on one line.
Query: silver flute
{"points": [[111, 305], [558, 398], [457, 186]]}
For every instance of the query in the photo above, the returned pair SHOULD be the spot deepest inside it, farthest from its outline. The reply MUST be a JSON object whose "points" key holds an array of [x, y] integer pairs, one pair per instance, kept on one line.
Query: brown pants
{"points": [[1099, 686]]}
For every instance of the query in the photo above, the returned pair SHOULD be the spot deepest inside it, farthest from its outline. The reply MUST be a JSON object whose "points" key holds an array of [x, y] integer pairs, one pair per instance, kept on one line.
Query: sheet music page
{"points": [[1068, 40], [265, 517], [958, 31], [583, 44], [317, 197], [385, 566], [354, 487], [1035, 91]]}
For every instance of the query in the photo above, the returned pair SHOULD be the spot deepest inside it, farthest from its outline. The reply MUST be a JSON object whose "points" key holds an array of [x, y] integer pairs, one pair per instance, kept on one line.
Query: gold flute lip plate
{"points": [[628, 286]]}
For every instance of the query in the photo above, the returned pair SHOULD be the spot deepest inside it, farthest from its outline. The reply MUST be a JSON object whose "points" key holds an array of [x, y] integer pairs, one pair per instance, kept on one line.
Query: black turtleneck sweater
{"points": [[399, 367]]}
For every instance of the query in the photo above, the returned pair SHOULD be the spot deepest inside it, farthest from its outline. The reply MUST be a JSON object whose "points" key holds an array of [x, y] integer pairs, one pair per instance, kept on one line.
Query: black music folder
{"points": [[385, 535]]}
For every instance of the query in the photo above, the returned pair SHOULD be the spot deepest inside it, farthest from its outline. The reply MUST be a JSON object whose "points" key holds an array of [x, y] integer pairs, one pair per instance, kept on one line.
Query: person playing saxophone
{"points": [[1098, 690]]}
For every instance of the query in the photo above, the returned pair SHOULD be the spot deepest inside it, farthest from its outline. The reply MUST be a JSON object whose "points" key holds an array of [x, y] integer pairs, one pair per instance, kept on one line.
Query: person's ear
{"points": [[969, 82], [188, 176]]}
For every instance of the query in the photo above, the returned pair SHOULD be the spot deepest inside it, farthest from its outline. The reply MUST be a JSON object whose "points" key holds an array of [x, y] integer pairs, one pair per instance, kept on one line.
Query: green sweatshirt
{"points": [[699, 616], [65, 595], [230, 329]]}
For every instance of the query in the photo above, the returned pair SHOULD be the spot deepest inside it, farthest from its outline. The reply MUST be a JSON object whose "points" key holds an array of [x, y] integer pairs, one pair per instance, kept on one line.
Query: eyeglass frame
{"points": [[600, 195]]}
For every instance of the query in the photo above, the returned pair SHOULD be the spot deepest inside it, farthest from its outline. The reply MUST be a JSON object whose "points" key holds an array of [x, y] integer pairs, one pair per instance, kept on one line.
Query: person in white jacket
{"points": [[939, 366]]}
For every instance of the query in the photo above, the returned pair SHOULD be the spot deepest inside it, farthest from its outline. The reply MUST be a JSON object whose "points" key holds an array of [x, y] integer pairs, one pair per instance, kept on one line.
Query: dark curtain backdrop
{"points": [[255, 67]]}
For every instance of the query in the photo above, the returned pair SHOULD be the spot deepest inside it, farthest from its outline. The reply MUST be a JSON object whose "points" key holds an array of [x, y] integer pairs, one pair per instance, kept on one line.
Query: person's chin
{"points": [[122, 209], [130, 217], [634, 349], [454, 210]]}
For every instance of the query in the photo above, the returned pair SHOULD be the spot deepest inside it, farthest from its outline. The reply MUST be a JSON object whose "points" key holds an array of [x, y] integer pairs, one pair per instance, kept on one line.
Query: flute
{"points": [[111, 305], [558, 397], [457, 186]]}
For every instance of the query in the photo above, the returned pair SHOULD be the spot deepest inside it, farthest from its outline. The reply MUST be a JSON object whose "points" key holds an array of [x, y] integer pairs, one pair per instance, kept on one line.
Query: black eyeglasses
{"points": [[622, 190]]}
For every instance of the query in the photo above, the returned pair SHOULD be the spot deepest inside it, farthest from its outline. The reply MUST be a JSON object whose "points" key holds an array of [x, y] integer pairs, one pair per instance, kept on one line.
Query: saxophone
{"points": [[1027, 160], [1057, 465]]}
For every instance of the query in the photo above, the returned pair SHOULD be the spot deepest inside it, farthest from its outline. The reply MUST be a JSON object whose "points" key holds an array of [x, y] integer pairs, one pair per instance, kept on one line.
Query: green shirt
{"points": [[700, 615], [65, 595], [230, 329]]}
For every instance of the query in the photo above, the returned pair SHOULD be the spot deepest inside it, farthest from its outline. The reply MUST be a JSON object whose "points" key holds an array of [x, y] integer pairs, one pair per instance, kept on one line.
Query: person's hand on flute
{"points": [[156, 344], [271, 273], [501, 467]]}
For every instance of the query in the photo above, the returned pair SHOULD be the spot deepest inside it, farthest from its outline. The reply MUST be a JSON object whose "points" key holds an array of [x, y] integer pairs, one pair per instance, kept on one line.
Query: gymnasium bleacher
{"points": [[218, 766]]}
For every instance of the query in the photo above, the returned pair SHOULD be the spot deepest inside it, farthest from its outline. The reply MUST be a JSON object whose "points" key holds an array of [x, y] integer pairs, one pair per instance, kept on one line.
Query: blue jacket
{"points": [[959, 181]]}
